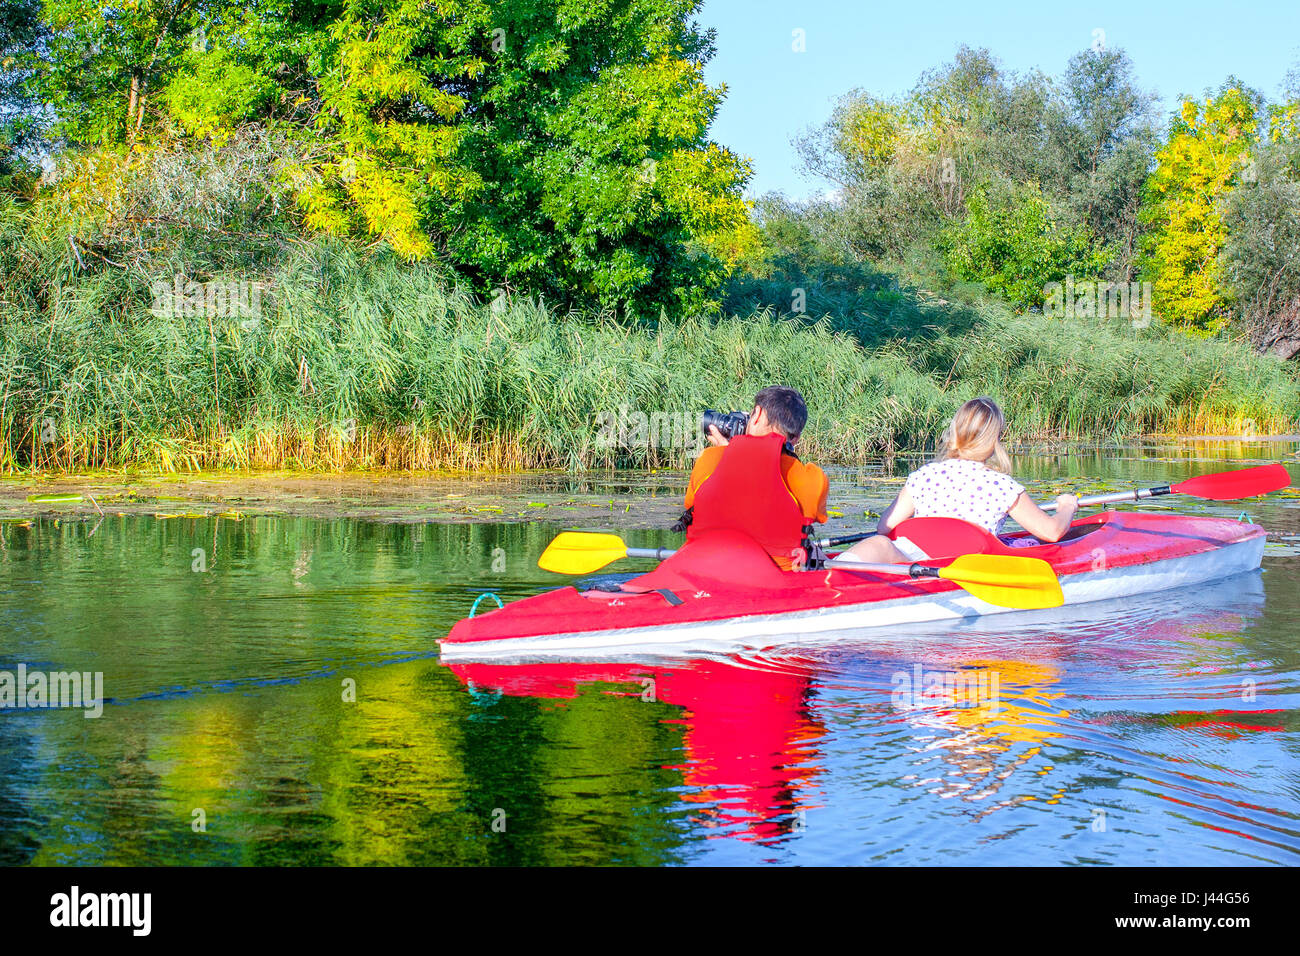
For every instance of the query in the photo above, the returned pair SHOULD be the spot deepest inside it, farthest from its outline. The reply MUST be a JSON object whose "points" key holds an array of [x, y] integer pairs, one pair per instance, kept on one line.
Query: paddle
{"points": [[584, 552], [934, 536], [1004, 580], [1007, 581], [1221, 486]]}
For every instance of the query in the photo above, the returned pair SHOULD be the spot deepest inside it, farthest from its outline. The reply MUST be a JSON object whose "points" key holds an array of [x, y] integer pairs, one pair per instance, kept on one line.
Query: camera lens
{"points": [[730, 424]]}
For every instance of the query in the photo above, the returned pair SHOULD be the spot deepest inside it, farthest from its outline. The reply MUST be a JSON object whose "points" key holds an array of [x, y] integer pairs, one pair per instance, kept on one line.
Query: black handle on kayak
{"points": [[847, 539]]}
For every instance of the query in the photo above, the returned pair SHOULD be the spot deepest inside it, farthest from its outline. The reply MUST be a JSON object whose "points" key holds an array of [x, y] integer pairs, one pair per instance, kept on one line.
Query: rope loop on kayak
{"points": [[478, 600], [1244, 517]]}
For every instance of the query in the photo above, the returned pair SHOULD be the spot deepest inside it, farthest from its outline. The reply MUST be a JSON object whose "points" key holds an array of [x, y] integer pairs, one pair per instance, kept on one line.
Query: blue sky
{"points": [[774, 93]]}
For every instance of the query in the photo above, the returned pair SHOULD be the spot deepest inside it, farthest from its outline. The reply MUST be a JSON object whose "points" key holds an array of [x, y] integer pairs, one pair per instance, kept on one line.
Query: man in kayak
{"points": [[755, 482]]}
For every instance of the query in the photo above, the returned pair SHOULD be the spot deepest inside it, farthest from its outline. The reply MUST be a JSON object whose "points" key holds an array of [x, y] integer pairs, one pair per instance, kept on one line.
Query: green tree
{"points": [[105, 63], [22, 35], [1261, 257], [541, 146], [1182, 206], [1106, 136], [1048, 167], [544, 146], [1012, 242], [249, 63]]}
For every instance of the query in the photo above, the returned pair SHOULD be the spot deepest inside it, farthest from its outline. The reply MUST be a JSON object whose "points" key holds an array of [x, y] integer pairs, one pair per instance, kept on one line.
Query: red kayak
{"points": [[723, 593]]}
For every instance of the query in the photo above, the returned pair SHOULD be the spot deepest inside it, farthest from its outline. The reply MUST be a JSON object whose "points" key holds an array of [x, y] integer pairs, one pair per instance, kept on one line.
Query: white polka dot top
{"points": [[959, 488]]}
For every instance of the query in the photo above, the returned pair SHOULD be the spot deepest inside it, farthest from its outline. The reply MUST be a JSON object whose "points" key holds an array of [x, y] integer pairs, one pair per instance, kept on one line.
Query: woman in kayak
{"points": [[969, 481]]}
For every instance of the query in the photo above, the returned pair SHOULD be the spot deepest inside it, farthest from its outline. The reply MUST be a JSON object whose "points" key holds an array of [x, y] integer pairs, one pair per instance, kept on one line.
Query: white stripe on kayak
{"points": [[748, 633]]}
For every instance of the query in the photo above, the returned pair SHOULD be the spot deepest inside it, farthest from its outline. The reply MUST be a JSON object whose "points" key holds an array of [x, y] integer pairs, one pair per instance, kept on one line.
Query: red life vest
{"points": [[746, 493]]}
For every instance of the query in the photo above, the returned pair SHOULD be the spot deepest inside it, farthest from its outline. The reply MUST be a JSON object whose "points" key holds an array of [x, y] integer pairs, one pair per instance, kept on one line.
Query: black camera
{"points": [[730, 424]]}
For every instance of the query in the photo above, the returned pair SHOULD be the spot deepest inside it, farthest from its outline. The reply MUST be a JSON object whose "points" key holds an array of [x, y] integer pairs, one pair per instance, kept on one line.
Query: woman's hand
{"points": [[716, 437], [1044, 526]]}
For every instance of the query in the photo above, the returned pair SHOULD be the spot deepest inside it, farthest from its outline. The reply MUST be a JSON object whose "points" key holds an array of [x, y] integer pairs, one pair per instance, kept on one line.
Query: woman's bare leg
{"points": [[878, 549]]}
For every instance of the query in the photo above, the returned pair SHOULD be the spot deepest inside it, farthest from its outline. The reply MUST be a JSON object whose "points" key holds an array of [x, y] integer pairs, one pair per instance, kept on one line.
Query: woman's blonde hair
{"points": [[976, 433]]}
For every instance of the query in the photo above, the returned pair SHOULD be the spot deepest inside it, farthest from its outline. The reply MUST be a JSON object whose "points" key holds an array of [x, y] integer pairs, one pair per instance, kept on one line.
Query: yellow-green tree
{"points": [[547, 146], [1206, 155], [536, 145]]}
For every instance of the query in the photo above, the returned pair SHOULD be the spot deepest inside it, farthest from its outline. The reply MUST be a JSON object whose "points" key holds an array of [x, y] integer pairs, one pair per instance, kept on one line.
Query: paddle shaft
{"points": [[1219, 486], [657, 553], [914, 570], [1136, 495], [661, 553], [847, 539]]}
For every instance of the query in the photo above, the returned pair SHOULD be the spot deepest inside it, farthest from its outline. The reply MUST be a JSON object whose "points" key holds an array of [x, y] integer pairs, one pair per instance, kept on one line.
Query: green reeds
{"points": [[354, 359], [369, 363]]}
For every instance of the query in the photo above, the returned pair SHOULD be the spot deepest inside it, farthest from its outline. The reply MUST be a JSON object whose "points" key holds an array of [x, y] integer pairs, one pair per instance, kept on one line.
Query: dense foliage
{"points": [[22, 119], [1003, 171], [1262, 221], [473, 231], [551, 146], [1022, 181], [1010, 241], [355, 358], [1206, 155]]}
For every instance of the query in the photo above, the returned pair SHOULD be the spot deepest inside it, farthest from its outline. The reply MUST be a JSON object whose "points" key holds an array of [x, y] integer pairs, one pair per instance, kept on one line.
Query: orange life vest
{"points": [[746, 493]]}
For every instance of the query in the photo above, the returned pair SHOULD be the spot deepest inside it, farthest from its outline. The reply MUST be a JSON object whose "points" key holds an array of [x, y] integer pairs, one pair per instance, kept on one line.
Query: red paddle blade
{"points": [[1227, 485], [945, 537]]}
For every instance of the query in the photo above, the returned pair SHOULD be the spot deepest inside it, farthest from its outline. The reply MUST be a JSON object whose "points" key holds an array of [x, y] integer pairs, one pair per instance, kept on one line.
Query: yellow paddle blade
{"points": [[581, 552], [1007, 580]]}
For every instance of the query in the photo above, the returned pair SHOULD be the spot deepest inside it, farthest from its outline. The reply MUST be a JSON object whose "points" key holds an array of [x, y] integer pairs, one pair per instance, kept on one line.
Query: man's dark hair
{"points": [[785, 409]]}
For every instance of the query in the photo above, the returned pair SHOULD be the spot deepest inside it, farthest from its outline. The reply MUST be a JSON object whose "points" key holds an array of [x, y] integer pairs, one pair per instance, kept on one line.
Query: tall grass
{"points": [[368, 363], [1097, 379], [359, 360], [371, 363]]}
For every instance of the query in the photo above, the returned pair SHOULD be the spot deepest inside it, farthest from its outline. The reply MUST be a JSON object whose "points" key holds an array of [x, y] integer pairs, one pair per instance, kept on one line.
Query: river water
{"points": [[274, 696]]}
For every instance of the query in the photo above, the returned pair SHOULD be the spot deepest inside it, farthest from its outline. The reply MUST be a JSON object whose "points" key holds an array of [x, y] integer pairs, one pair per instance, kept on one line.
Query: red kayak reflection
{"points": [[748, 732]]}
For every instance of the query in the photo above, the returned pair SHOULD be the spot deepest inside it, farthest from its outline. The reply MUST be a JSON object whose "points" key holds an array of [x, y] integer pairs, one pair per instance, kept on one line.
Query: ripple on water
{"points": [[1160, 730]]}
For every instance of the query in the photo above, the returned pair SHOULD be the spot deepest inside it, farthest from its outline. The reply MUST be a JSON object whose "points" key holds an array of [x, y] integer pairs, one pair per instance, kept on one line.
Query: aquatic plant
{"points": [[356, 359]]}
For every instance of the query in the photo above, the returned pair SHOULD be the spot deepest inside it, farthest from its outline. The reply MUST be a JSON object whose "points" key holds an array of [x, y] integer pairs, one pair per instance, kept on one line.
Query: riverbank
{"points": [[354, 362], [608, 499], [408, 499]]}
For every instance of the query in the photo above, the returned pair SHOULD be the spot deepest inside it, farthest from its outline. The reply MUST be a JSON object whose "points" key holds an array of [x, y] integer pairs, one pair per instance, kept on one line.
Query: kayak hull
{"points": [[1114, 555]]}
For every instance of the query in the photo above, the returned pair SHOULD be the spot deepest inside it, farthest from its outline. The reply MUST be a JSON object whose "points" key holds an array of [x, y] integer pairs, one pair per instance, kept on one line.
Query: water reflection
{"points": [[1174, 715], [749, 740], [984, 738], [759, 735]]}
